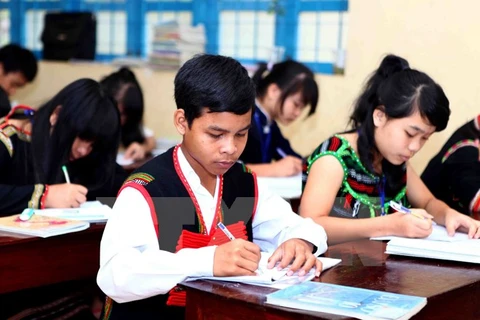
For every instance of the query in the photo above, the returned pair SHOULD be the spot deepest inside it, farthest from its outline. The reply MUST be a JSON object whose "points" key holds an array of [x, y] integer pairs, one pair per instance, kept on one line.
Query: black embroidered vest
{"points": [[178, 224]]}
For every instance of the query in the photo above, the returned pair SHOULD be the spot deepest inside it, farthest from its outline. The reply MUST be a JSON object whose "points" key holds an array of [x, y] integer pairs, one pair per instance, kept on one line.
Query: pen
{"points": [[398, 207], [226, 231], [65, 172], [26, 214], [281, 153]]}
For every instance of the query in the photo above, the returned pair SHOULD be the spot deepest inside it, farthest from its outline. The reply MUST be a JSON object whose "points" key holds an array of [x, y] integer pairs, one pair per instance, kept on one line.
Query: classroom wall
{"points": [[438, 37]]}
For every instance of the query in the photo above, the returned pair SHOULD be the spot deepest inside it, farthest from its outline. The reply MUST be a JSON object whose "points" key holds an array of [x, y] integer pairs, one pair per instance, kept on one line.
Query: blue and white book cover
{"points": [[348, 301]]}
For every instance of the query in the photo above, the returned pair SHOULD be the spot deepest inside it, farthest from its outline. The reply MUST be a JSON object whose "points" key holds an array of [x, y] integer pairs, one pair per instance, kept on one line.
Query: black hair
{"points": [[85, 112], [5, 106], [218, 83], [291, 77], [400, 92], [17, 59], [124, 88]]}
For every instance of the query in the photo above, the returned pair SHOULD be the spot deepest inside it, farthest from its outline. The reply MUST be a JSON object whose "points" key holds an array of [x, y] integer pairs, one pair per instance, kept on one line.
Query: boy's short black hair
{"points": [[218, 83], [17, 59]]}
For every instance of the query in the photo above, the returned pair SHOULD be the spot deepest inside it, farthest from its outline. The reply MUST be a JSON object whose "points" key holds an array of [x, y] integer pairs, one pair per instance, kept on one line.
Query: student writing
{"points": [[356, 174], [78, 128], [282, 94], [164, 222], [18, 66], [124, 88]]}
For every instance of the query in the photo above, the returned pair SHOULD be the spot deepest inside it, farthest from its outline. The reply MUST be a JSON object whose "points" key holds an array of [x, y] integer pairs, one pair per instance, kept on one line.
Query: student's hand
{"points": [[66, 195], [300, 252], [236, 258], [288, 166], [135, 151], [412, 225], [455, 220]]}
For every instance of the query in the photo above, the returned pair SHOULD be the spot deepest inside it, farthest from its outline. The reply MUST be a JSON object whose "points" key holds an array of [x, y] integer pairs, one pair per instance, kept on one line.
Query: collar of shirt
{"points": [[207, 202], [264, 117]]}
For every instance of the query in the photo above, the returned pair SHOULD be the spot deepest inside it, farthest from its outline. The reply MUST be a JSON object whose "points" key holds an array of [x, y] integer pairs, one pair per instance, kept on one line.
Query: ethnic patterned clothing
{"points": [[453, 175], [360, 195], [17, 180], [171, 199]]}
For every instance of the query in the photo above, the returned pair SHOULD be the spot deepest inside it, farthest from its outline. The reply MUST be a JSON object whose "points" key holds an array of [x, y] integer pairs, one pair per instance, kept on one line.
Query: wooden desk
{"points": [[33, 262], [452, 289]]}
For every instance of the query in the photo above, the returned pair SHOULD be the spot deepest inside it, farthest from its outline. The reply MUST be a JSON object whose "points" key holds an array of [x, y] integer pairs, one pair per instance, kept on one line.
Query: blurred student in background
{"points": [[282, 94], [18, 66], [453, 175], [79, 128], [124, 88]]}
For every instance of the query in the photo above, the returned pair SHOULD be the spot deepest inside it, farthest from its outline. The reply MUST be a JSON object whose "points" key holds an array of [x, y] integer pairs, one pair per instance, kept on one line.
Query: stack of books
{"points": [[173, 44]]}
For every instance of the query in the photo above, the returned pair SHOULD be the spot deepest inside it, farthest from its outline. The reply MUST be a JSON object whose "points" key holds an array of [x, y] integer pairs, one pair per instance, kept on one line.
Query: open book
{"points": [[272, 277], [439, 233], [91, 211], [347, 301], [41, 226]]}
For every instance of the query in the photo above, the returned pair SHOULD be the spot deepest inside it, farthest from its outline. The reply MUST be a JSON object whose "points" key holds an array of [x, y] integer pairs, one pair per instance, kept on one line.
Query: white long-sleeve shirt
{"points": [[133, 266]]}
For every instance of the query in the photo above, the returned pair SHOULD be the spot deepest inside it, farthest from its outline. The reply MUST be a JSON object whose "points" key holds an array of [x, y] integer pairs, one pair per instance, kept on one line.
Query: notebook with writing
{"points": [[273, 277], [439, 233]]}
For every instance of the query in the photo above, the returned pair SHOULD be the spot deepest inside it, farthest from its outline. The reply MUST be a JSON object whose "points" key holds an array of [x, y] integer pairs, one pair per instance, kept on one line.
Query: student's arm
{"points": [[275, 222], [13, 199], [281, 144], [132, 266], [420, 197], [324, 180], [138, 151], [289, 238]]}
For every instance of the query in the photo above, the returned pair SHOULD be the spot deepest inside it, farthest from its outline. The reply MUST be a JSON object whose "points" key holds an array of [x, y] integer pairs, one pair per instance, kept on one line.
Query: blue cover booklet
{"points": [[347, 301]]}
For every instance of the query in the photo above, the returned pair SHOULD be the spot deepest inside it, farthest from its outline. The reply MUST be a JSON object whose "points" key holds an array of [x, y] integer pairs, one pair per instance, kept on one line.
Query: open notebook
{"points": [[272, 277], [91, 211], [439, 233], [465, 251]]}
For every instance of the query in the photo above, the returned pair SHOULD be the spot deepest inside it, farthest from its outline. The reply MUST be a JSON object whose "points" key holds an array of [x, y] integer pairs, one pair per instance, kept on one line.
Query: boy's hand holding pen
{"points": [[237, 257]]}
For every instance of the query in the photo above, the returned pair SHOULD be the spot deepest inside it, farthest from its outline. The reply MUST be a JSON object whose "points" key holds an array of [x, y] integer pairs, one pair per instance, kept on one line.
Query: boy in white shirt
{"points": [[164, 225]]}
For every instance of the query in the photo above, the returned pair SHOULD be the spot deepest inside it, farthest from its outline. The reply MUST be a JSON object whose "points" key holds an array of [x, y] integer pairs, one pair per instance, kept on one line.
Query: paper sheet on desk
{"points": [[285, 187], [91, 211], [272, 277], [439, 233]]}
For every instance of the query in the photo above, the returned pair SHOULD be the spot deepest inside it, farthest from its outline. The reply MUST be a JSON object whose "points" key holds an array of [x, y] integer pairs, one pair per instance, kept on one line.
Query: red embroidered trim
{"points": [[107, 309], [255, 203], [44, 197], [12, 112], [218, 210], [476, 208]]}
